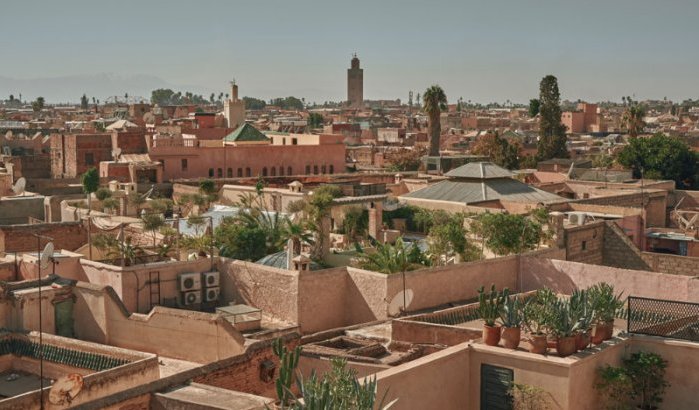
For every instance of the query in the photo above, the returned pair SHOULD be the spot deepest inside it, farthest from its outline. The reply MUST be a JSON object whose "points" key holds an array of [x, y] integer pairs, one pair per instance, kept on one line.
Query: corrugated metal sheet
{"points": [[479, 170]]}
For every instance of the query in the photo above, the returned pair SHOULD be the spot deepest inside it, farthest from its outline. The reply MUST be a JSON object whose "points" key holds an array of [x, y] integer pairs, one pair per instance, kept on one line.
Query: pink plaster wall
{"points": [[564, 276]]}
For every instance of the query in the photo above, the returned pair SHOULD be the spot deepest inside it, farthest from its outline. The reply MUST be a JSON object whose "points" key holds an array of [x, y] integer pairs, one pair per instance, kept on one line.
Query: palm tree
{"points": [[434, 101], [298, 234], [632, 119]]}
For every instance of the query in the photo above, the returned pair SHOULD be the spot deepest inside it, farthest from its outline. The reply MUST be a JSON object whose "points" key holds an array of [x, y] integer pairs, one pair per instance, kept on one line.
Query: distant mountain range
{"points": [[101, 86]]}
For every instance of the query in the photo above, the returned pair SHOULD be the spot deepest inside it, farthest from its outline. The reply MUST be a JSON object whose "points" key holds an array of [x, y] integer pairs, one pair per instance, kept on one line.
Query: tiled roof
{"points": [[246, 133], [466, 192]]}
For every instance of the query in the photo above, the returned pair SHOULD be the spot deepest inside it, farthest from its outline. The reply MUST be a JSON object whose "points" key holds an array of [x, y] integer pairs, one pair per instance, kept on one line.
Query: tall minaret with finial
{"points": [[355, 84], [234, 108]]}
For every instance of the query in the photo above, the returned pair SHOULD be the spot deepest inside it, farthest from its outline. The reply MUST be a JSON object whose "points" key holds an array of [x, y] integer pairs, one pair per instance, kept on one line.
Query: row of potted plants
{"points": [[567, 323]]}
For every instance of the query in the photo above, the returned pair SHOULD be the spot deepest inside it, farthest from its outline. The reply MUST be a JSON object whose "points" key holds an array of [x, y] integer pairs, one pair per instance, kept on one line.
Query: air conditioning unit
{"points": [[577, 218], [210, 279], [212, 294], [188, 281], [191, 298]]}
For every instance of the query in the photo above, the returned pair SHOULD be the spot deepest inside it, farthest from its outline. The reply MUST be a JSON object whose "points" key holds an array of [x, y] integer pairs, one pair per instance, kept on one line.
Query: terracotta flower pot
{"points": [[538, 344], [491, 335], [602, 331], [511, 337], [565, 346], [582, 340]]}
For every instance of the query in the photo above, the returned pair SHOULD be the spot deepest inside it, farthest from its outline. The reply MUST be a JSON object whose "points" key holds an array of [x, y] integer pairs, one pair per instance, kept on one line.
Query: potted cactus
{"points": [[563, 327], [582, 311], [605, 305], [536, 316], [511, 317], [489, 306]]}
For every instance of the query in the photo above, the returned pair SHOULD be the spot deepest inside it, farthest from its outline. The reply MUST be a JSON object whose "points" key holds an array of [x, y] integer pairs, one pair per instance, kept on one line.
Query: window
{"points": [[584, 245], [240, 172], [281, 171], [264, 171], [89, 158], [284, 141], [229, 173], [288, 171], [211, 172], [219, 173], [323, 170], [495, 385], [332, 169], [247, 172], [184, 165], [315, 169], [274, 172], [294, 141], [308, 170]]}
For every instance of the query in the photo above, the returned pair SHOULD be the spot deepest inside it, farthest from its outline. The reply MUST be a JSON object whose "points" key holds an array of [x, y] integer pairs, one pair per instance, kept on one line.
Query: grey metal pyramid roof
{"points": [[479, 170]]}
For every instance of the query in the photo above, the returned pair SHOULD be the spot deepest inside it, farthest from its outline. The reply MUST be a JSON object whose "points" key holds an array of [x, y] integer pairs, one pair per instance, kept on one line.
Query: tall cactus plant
{"points": [[490, 304], [288, 361]]}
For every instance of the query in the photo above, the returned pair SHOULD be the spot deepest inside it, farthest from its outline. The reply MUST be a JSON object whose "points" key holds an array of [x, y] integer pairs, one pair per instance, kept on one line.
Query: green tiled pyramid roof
{"points": [[246, 133]]}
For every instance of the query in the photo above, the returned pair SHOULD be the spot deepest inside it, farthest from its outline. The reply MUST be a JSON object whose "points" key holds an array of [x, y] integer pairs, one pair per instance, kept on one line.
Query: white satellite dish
{"points": [[19, 186], [65, 389], [396, 305], [116, 152], [46, 254]]}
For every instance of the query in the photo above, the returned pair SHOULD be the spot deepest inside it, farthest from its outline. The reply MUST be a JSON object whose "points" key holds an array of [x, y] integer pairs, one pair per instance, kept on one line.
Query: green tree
{"points": [[506, 234], [152, 222], [552, 133], [661, 156], [84, 102], [388, 259], [534, 105], [297, 233], [315, 120], [499, 149], [91, 183], [434, 101], [254, 103], [240, 241], [38, 104], [632, 119]]}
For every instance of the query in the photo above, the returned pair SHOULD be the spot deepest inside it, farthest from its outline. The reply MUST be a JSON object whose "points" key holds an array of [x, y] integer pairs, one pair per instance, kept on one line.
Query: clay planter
{"points": [[565, 346], [602, 331], [491, 335], [582, 340], [538, 344], [511, 337]]}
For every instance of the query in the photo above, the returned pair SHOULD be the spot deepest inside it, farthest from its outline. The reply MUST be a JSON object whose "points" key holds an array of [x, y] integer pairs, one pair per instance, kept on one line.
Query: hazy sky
{"points": [[480, 50]]}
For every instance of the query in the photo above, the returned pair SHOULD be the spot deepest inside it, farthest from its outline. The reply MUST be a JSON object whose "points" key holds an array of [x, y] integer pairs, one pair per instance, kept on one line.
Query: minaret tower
{"points": [[234, 108], [355, 84]]}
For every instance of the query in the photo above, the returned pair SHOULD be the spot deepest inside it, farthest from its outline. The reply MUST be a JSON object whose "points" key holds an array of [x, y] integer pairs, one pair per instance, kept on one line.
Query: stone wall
{"points": [[620, 251], [66, 235], [585, 243], [675, 264]]}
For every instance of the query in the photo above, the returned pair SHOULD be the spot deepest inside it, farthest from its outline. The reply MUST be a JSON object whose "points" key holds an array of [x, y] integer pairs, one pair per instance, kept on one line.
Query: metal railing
{"points": [[665, 318]]}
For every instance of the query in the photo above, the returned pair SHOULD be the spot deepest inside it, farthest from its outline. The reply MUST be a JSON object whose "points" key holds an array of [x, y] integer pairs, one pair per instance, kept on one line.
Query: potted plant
{"points": [[647, 373], [605, 305], [536, 316], [582, 311], [563, 326], [489, 306], [511, 316]]}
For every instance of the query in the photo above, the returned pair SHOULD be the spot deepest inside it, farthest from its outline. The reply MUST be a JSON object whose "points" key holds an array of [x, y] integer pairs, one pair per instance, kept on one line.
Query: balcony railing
{"points": [[665, 318]]}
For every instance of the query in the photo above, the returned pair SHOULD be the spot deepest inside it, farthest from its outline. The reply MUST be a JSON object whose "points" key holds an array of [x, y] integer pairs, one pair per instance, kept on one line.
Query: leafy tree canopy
{"points": [[661, 156]]}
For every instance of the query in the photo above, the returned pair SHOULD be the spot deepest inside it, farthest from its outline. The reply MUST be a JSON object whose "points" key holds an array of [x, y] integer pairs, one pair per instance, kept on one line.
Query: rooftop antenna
{"points": [[19, 186], [400, 302], [43, 262]]}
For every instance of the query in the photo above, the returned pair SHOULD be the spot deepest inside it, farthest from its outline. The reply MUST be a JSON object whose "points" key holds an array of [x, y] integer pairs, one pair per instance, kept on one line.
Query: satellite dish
{"points": [[396, 305], [18, 187], [46, 254], [65, 389], [116, 152]]}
